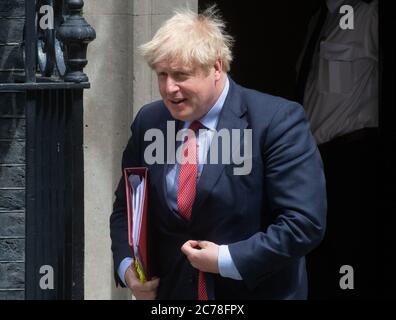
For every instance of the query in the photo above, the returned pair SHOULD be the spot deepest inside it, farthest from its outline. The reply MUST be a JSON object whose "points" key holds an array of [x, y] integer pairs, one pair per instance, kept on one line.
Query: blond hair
{"points": [[192, 39]]}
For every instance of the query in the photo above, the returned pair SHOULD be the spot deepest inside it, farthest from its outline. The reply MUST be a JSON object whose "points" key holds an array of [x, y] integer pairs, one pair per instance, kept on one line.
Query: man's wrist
{"points": [[226, 265], [123, 267]]}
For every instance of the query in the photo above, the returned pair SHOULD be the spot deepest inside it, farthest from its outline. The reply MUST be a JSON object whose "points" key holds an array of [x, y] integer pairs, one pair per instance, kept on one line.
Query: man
{"points": [[216, 233], [340, 98]]}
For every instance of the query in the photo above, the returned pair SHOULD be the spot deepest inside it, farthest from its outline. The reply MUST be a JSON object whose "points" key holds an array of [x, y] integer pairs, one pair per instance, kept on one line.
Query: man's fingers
{"points": [[188, 247], [131, 276], [192, 249], [142, 291], [192, 243], [145, 287], [151, 285], [145, 295], [204, 244], [202, 255], [148, 285]]}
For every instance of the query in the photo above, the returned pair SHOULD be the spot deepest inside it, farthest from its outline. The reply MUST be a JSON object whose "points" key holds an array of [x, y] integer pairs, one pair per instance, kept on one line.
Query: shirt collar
{"points": [[211, 119]]}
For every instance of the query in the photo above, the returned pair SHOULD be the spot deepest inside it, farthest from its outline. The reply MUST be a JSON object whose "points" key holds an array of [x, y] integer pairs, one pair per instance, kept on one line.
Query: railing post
{"points": [[75, 33], [54, 154], [30, 41]]}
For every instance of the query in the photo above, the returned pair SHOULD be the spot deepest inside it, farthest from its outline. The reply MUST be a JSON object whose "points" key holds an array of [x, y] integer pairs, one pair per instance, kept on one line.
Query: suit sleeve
{"points": [[295, 188], [118, 218]]}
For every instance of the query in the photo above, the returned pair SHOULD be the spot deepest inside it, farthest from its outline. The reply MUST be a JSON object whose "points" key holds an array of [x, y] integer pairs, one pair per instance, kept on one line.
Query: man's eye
{"points": [[180, 75]]}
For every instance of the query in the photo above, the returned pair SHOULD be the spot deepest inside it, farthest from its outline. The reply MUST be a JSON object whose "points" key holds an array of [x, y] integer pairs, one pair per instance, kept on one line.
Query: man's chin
{"points": [[182, 118], [182, 115]]}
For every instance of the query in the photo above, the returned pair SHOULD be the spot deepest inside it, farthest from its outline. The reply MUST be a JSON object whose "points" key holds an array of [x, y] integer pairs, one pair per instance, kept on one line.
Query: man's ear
{"points": [[218, 66]]}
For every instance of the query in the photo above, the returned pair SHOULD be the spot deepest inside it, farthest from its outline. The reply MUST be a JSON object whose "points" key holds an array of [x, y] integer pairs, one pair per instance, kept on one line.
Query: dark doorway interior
{"points": [[269, 37]]}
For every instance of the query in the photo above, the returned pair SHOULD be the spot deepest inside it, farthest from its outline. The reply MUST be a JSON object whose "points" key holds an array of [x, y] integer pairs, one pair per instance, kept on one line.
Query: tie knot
{"points": [[195, 126]]}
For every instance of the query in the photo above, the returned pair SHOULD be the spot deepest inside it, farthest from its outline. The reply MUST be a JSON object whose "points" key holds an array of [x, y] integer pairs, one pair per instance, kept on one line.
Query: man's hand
{"points": [[203, 255], [142, 291]]}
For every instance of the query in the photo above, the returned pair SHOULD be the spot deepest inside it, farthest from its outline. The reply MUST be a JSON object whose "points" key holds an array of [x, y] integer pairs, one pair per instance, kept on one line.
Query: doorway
{"points": [[269, 38]]}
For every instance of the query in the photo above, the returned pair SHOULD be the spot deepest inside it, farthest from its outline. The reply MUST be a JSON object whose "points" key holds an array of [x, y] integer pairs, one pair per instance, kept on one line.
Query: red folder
{"points": [[139, 249]]}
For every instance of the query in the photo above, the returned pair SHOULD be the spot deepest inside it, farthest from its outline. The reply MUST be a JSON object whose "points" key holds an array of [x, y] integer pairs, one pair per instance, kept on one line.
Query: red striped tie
{"points": [[187, 186]]}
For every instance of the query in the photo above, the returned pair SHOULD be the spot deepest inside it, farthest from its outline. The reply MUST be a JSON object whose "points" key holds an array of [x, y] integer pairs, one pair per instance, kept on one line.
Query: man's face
{"points": [[188, 93]]}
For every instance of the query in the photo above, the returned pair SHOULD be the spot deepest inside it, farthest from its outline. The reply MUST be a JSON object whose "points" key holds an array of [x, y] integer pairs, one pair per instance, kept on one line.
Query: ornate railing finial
{"points": [[76, 34], [75, 5]]}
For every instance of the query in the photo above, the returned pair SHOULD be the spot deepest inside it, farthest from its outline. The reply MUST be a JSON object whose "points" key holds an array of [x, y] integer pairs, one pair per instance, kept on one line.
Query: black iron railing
{"points": [[53, 79]]}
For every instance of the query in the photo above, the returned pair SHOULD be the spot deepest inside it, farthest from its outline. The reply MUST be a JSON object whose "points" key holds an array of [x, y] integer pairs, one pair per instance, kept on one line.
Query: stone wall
{"points": [[12, 155]]}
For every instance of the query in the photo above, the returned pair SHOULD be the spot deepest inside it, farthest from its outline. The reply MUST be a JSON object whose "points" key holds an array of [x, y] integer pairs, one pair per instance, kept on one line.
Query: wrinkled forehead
{"points": [[174, 64]]}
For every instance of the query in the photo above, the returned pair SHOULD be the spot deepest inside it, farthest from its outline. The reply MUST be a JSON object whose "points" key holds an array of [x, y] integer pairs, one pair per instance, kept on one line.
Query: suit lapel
{"points": [[159, 171], [231, 117]]}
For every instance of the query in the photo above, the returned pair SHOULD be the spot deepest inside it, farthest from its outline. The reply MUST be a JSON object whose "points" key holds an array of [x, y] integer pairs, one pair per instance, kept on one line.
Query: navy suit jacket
{"points": [[270, 218]]}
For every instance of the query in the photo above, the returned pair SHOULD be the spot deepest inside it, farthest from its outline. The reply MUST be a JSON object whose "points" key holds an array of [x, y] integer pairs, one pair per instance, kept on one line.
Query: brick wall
{"points": [[12, 155]]}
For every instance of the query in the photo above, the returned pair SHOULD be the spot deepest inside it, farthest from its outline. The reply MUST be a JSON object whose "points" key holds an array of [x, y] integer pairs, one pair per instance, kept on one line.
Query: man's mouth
{"points": [[177, 101]]}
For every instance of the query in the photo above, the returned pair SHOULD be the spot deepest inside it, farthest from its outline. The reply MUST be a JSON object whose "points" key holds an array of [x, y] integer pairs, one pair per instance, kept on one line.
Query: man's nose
{"points": [[171, 86]]}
